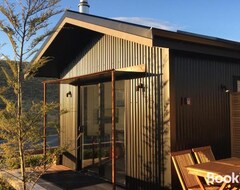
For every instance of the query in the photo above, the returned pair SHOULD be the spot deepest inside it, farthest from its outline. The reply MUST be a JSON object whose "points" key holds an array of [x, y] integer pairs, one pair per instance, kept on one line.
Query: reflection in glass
{"points": [[96, 116]]}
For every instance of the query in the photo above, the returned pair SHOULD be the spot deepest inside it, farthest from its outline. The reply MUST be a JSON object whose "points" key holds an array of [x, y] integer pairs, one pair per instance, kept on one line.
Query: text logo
{"points": [[233, 178]]}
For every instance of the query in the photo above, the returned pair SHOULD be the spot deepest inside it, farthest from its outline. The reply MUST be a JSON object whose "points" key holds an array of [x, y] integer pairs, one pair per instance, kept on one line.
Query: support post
{"points": [[44, 119], [113, 133]]}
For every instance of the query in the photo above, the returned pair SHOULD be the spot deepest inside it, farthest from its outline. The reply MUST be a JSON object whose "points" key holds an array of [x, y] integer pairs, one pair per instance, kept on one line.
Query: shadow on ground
{"points": [[71, 180]]}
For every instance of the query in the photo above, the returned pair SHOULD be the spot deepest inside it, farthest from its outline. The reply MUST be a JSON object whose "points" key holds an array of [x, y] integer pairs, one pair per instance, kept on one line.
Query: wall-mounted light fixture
{"points": [[224, 88], [69, 94], [139, 86]]}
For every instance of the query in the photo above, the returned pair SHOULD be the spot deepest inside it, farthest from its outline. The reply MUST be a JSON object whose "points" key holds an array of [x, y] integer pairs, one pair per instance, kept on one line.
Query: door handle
{"points": [[81, 129]]}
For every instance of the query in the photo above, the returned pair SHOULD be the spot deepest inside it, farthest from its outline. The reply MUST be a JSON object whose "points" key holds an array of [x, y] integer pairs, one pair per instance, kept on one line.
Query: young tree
{"points": [[25, 24]]}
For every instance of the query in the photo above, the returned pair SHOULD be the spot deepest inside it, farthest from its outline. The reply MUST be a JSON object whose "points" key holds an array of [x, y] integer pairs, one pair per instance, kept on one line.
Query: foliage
{"points": [[25, 24], [24, 21], [5, 186], [31, 131]]}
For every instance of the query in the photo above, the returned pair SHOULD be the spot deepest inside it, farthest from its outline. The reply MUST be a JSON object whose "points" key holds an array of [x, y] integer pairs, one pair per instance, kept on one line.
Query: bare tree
{"points": [[26, 25]]}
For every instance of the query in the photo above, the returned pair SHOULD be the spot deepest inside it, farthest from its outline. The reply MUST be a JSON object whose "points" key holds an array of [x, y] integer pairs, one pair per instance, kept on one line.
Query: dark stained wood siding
{"points": [[207, 120]]}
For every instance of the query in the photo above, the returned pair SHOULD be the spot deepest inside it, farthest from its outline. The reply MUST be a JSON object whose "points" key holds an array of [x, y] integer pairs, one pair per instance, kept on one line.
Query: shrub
{"points": [[34, 160], [5, 186]]}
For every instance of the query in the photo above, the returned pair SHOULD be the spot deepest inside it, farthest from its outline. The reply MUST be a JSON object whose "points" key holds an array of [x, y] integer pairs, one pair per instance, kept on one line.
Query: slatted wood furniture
{"points": [[217, 168], [203, 154], [181, 160]]}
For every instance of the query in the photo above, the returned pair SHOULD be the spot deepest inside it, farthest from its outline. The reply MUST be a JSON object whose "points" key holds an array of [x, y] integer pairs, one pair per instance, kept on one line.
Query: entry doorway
{"points": [[96, 129]]}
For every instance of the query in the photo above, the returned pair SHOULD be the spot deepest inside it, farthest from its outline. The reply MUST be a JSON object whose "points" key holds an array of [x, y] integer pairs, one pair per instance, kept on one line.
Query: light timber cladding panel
{"points": [[235, 124], [68, 128], [146, 147], [106, 52]]}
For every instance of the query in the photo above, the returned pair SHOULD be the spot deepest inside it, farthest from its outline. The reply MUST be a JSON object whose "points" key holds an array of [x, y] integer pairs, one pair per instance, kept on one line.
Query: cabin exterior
{"points": [[134, 94]]}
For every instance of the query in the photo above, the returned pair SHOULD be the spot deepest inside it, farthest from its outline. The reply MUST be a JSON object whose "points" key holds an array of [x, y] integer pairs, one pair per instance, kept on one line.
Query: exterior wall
{"points": [[68, 124], [235, 123], [145, 108], [166, 138], [206, 120]]}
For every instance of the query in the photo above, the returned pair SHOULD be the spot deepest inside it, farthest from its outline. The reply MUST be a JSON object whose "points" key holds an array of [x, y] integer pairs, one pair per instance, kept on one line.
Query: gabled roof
{"points": [[75, 30]]}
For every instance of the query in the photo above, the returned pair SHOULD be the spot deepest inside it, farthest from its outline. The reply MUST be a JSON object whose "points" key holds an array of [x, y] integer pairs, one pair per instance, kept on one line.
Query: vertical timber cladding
{"points": [[205, 118], [235, 123], [145, 141], [144, 112], [68, 123]]}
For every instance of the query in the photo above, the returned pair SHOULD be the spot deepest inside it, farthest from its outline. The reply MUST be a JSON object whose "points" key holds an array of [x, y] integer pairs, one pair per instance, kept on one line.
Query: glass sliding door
{"points": [[120, 132], [96, 124], [89, 124]]}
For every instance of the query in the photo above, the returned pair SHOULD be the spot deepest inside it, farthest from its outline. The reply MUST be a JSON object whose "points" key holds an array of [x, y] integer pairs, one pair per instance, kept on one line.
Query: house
{"points": [[135, 93]]}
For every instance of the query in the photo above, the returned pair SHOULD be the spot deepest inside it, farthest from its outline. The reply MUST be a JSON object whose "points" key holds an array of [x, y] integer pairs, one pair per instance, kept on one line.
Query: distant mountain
{"points": [[32, 89]]}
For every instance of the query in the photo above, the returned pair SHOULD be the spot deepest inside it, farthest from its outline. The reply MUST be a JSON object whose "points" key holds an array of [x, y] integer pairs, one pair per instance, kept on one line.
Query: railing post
{"points": [[44, 119]]}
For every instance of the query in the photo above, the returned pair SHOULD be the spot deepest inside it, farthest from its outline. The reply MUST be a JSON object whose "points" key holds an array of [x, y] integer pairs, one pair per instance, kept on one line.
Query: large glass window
{"points": [[96, 123]]}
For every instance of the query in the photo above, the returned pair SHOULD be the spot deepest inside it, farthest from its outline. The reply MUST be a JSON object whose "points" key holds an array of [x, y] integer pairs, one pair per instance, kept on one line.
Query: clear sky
{"points": [[218, 18]]}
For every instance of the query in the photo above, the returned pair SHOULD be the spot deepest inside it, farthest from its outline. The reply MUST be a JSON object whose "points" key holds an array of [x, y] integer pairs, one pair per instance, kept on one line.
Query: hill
{"points": [[32, 89]]}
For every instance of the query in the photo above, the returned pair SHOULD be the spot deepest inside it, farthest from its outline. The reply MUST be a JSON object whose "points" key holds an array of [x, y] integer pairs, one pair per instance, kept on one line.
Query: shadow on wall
{"points": [[155, 150]]}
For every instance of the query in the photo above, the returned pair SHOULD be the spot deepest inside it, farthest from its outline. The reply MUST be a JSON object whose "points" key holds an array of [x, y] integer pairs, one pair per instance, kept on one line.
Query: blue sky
{"points": [[218, 18]]}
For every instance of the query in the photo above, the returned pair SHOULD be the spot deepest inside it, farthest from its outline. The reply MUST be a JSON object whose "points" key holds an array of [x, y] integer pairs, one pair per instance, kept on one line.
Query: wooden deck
{"points": [[60, 177]]}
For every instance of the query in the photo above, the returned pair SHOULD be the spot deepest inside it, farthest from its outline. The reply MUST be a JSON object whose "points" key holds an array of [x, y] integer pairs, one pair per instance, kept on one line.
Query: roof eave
{"points": [[131, 32], [197, 39]]}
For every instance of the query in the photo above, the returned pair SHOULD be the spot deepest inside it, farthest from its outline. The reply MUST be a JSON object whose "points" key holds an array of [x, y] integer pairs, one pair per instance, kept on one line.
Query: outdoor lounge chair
{"points": [[181, 159], [203, 154]]}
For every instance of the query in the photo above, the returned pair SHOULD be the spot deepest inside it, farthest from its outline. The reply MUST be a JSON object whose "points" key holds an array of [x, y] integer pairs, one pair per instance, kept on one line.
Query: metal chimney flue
{"points": [[84, 6]]}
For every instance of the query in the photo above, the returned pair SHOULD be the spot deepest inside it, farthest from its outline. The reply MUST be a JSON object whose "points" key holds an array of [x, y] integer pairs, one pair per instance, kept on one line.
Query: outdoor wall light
{"points": [[139, 86], [224, 88], [69, 94]]}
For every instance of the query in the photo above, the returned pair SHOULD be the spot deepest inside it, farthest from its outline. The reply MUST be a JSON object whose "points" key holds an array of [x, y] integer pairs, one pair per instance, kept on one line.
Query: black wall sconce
{"points": [[139, 86], [224, 88], [69, 94]]}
